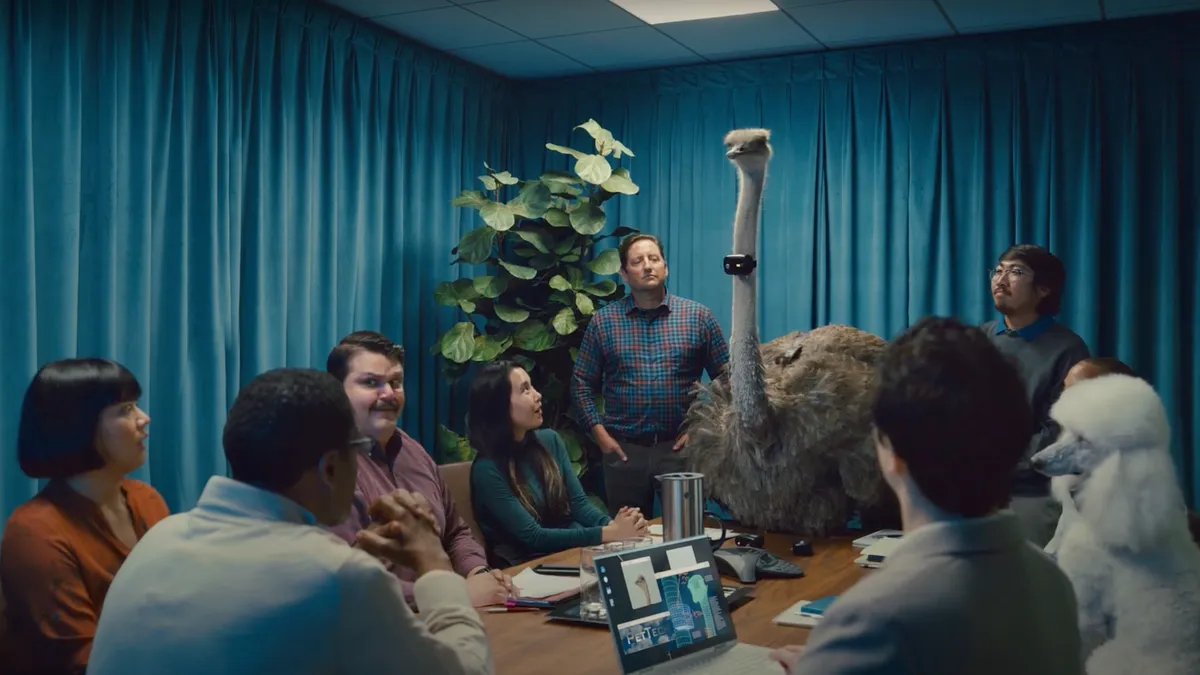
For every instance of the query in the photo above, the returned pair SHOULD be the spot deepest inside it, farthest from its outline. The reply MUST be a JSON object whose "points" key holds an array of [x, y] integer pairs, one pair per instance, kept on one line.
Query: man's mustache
{"points": [[386, 406]]}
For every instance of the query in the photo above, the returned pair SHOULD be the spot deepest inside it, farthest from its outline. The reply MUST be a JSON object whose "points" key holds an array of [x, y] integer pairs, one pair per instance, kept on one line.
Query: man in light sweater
{"points": [[248, 582], [1027, 286]]}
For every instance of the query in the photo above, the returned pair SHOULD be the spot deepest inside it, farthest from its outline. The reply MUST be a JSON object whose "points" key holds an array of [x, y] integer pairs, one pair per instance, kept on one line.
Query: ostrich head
{"points": [[749, 149]]}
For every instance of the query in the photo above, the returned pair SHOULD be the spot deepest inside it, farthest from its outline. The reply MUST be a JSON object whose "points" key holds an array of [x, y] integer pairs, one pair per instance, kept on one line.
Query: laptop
{"points": [[667, 612]]}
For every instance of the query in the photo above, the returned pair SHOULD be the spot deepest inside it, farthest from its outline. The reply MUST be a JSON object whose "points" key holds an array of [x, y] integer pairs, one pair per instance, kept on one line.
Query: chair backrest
{"points": [[457, 478]]}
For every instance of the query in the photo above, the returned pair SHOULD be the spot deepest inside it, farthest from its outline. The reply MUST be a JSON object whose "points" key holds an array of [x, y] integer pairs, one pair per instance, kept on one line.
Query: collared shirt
{"points": [[1029, 333], [403, 464], [646, 363], [248, 583], [57, 561]]}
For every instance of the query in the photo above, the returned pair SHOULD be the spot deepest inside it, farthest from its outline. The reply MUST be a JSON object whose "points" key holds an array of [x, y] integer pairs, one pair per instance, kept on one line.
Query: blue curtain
{"points": [[901, 173], [206, 190]]}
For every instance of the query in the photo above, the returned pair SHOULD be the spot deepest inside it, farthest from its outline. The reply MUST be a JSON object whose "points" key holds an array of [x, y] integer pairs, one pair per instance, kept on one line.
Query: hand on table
{"points": [[787, 656], [490, 588]]}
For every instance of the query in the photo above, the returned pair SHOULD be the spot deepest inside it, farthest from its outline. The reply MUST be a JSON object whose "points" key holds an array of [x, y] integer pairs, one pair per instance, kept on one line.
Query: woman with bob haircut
{"points": [[81, 429], [527, 498]]}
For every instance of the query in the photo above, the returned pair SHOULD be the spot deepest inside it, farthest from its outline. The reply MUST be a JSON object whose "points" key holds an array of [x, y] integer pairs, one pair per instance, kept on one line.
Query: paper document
{"points": [[535, 586]]}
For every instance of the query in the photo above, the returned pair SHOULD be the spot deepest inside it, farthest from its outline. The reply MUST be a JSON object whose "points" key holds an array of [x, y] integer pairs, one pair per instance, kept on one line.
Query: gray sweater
{"points": [[1043, 352]]}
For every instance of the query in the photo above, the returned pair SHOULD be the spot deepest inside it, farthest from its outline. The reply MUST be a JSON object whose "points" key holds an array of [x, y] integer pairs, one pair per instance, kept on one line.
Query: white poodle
{"points": [[1123, 539]]}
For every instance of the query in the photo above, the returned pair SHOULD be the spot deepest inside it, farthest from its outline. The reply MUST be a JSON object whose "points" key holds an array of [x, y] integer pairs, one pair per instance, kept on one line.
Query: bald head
{"points": [[1096, 367]]}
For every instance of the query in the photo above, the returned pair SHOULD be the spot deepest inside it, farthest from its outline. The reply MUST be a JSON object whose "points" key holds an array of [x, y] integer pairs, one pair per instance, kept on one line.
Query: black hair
{"points": [[955, 410], [1048, 272], [338, 362], [490, 432], [282, 422], [56, 437]]}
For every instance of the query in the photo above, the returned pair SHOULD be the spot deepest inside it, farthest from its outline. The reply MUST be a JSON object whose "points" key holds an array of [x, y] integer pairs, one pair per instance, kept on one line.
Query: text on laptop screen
{"points": [[664, 602]]}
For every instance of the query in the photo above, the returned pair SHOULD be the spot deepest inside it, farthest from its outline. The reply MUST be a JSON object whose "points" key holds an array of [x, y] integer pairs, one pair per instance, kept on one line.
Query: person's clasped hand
{"points": [[404, 532]]}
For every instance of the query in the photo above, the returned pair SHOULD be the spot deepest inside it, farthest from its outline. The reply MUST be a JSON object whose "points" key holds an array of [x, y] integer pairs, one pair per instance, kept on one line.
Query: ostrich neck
{"points": [[747, 379]]}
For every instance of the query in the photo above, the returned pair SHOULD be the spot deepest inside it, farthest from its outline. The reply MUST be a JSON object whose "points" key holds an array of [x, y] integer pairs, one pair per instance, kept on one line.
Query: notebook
{"points": [[667, 612]]}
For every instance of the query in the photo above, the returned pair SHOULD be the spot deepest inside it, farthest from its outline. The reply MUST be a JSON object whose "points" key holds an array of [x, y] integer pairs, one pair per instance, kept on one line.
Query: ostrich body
{"points": [[783, 441]]}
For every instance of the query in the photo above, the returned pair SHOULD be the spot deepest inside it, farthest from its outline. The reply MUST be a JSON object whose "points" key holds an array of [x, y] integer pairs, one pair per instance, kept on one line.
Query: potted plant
{"points": [[544, 279]]}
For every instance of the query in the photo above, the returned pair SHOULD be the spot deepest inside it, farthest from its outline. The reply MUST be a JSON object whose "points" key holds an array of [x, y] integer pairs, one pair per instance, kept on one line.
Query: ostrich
{"points": [[783, 441]]}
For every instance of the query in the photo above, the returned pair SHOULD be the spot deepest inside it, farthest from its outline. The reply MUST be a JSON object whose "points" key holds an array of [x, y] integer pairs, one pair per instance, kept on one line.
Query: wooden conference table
{"points": [[526, 643]]}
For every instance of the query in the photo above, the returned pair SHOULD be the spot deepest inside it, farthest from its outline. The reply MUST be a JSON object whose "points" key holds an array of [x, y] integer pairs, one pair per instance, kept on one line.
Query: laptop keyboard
{"points": [[743, 659]]}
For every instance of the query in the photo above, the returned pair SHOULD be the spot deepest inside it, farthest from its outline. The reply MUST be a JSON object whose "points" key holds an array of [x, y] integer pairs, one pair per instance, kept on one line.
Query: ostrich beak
{"points": [[735, 151]]}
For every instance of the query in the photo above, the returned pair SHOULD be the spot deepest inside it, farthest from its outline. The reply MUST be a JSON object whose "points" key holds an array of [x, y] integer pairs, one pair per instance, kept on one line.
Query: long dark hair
{"points": [[490, 431]]}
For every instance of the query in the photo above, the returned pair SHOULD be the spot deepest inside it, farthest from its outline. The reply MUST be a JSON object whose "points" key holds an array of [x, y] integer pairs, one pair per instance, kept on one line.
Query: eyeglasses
{"points": [[1012, 272]]}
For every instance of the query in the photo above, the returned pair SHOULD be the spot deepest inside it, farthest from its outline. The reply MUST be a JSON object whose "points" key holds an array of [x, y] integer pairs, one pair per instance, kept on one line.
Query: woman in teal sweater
{"points": [[528, 501]]}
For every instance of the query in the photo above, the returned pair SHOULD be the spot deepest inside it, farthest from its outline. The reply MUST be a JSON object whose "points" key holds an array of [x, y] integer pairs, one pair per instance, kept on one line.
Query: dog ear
{"points": [[1132, 499]]}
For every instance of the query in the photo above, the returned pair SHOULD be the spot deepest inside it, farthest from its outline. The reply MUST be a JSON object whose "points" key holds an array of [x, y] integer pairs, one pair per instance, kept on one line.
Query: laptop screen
{"points": [[664, 601]]}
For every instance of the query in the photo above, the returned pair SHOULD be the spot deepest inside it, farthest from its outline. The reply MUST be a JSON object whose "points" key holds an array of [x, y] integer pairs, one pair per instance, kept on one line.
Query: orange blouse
{"points": [[57, 560]]}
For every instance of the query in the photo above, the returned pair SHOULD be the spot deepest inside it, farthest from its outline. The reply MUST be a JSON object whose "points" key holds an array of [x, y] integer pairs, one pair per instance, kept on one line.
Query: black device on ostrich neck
{"points": [[739, 264]]}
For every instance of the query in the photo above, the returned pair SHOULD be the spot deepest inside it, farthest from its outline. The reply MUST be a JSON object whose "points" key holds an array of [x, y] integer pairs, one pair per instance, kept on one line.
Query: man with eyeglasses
{"points": [[371, 369], [1027, 286]]}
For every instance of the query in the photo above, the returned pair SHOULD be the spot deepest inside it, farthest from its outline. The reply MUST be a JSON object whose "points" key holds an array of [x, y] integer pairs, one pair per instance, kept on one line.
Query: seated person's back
{"points": [[964, 592], [81, 428], [250, 582], [528, 500]]}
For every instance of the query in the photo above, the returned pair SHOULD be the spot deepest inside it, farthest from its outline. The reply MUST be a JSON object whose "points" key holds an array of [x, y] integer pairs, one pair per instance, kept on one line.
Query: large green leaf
{"points": [[559, 178], [519, 271], [603, 137], [593, 169], [533, 336], [619, 183], [489, 183], [476, 245], [585, 304], [467, 306], [445, 294], [506, 178], [543, 261], [589, 218], [472, 198], [459, 343], [525, 251], [563, 246], [557, 217], [564, 298], [489, 286], [608, 262], [540, 240], [575, 276], [559, 283], [619, 232], [525, 362], [565, 150], [602, 288], [511, 314], [573, 444], [532, 201], [499, 217], [488, 347], [564, 322]]}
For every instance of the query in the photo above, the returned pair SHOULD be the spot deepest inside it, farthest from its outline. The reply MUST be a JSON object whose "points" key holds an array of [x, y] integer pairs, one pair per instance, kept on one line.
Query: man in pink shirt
{"points": [[371, 369]]}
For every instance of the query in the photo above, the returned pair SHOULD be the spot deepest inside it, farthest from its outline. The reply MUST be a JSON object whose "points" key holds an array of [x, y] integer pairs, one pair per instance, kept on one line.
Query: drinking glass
{"points": [[591, 601]]}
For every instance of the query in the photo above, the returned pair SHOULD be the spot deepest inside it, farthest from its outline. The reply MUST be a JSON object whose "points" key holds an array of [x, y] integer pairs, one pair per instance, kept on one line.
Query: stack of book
{"points": [[806, 613]]}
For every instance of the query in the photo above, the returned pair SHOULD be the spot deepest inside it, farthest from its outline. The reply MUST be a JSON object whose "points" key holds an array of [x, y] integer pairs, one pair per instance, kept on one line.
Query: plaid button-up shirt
{"points": [[645, 363]]}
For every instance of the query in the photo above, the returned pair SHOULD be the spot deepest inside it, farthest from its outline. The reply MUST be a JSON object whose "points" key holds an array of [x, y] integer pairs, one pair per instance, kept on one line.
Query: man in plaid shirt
{"points": [[644, 353]]}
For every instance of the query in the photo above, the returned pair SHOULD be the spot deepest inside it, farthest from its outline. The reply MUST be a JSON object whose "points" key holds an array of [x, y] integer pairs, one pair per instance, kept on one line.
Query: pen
{"points": [[541, 604], [498, 610], [557, 570]]}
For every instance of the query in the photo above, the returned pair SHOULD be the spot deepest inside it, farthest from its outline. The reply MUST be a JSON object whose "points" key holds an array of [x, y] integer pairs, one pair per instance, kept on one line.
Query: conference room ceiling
{"points": [[525, 39]]}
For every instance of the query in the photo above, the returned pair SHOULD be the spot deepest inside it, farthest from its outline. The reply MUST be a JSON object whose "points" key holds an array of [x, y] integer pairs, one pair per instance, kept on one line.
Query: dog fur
{"points": [[1124, 539]]}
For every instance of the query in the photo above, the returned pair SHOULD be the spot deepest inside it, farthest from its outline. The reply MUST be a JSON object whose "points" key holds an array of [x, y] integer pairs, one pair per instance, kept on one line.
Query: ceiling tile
{"points": [[625, 48], [550, 18], [805, 3], [758, 34], [448, 29], [373, 8], [973, 16], [871, 21], [1116, 9], [525, 59]]}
